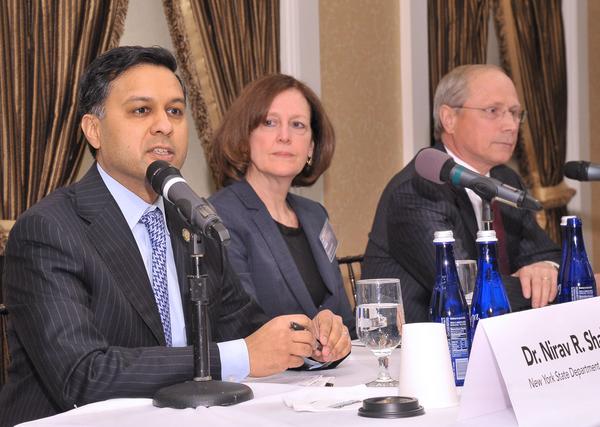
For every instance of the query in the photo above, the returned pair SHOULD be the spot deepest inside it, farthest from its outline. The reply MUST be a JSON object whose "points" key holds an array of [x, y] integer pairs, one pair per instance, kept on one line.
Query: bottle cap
{"points": [[563, 219], [486, 236], [445, 236]]}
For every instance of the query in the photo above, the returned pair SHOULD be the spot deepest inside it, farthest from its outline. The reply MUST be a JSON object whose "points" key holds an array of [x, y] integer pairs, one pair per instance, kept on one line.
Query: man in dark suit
{"points": [[476, 118], [95, 274]]}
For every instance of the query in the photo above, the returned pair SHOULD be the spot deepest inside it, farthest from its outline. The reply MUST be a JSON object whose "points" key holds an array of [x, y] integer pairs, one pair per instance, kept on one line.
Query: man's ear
{"points": [[448, 118], [90, 125]]}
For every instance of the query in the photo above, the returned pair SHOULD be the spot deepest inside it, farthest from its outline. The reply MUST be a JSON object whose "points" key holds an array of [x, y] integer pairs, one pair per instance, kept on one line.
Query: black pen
{"points": [[298, 327]]}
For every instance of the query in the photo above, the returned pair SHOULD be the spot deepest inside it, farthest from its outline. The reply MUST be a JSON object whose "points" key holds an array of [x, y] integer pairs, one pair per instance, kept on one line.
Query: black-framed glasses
{"points": [[497, 113]]}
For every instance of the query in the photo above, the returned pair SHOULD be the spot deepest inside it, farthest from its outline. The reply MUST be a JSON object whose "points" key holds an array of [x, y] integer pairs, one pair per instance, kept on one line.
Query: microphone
{"points": [[582, 171], [437, 166], [167, 181]]}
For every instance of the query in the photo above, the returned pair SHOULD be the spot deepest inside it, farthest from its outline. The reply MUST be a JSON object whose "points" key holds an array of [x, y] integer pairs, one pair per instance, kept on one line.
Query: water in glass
{"points": [[379, 320]]}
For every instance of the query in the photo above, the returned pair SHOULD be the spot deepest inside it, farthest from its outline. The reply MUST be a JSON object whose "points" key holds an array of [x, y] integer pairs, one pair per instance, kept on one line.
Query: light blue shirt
{"points": [[235, 364]]}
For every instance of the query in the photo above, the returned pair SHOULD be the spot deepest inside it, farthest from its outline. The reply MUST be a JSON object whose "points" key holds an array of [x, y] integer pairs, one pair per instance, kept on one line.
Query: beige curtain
{"points": [[221, 46], [533, 53], [5, 227], [458, 32], [46, 44]]}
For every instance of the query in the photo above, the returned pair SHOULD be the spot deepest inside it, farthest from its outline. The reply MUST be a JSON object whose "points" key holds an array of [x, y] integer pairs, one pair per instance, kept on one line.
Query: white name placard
{"points": [[545, 363]]}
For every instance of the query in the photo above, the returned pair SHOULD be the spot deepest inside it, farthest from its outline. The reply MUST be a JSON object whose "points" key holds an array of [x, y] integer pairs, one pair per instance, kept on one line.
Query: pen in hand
{"points": [[298, 327]]}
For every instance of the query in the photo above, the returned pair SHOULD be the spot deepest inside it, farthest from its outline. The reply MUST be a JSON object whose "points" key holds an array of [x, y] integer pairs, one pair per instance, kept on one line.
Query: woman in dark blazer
{"points": [[276, 135]]}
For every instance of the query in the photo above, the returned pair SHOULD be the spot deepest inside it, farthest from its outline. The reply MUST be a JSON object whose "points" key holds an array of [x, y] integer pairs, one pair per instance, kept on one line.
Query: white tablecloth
{"points": [[267, 407]]}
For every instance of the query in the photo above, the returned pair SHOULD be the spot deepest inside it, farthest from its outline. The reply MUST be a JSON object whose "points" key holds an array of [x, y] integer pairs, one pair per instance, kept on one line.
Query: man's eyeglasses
{"points": [[497, 113]]}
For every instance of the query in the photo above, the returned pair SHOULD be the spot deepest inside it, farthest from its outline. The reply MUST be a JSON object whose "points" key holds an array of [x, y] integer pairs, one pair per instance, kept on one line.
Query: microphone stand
{"points": [[202, 390]]}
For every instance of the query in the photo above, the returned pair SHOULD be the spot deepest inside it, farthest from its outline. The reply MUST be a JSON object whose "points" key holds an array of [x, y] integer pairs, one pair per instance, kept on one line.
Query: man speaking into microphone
{"points": [[96, 273], [477, 115]]}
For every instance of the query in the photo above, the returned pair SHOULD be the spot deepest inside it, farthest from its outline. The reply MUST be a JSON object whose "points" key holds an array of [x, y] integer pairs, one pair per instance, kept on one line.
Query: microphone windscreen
{"points": [[429, 163], [577, 170], [157, 172]]}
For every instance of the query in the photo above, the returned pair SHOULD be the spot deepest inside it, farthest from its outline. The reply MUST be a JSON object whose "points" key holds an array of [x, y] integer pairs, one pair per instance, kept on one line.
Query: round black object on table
{"points": [[391, 407]]}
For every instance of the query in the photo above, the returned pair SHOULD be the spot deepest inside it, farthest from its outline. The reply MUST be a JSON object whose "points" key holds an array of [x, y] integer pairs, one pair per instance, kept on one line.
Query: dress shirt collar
{"points": [[473, 198], [131, 205], [461, 162]]}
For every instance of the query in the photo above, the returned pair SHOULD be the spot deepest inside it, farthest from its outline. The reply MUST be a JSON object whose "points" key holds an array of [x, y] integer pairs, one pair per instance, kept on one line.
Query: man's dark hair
{"points": [[96, 79]]}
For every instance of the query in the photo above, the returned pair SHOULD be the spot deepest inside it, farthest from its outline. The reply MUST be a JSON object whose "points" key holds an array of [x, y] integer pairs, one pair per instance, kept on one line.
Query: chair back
{"points": [[352, 262], [4, 354]]}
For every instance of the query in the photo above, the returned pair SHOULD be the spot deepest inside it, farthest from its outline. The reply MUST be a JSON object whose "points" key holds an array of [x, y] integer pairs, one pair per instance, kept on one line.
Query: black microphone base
{"points": [[192, 394]]}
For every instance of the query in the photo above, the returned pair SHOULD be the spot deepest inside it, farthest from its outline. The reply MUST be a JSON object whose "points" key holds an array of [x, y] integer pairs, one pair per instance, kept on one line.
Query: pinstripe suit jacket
{"points": [[412, 208], [83, 322], [263, 261]]}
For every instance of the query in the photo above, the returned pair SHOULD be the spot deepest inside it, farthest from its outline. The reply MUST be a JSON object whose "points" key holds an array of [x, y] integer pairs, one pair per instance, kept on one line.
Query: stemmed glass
{"points": [[379, 320]]}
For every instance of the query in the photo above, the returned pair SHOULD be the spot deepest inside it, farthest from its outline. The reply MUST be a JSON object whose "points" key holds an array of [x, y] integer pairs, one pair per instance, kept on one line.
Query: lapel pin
{"points": [[186, 234]]}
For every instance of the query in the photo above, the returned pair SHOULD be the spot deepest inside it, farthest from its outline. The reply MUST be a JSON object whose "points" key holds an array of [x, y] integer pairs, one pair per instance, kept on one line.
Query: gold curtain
{"points": [[533, 53], [5, 227], [458, 33], [46, 44], [221, 46]]}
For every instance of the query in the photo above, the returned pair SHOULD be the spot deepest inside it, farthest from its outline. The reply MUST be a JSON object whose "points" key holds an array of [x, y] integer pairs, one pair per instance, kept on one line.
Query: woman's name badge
{"points": [[328, 240]]}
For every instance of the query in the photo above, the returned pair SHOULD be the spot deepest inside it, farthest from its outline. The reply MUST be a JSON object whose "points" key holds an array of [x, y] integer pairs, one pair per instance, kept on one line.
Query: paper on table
{"points": [[316, 381], [328, 399]]}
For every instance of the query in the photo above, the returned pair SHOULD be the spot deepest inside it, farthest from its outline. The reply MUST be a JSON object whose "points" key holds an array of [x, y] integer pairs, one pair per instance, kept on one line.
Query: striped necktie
{"points": [[153, 220]]}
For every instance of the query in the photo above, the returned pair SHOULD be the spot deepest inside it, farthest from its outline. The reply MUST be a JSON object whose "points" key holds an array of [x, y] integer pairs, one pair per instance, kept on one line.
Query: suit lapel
{"points": [[177, 229], [465, 207], [277, 246], [109, 233], [312, 226]]}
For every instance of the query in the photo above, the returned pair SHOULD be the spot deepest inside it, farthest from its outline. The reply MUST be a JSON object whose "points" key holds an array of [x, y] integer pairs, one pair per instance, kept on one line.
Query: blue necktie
{"points": [[153, 220]]}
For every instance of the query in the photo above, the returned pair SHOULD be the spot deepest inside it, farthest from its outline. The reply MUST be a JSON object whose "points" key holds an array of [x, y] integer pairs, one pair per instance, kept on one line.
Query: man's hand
{"points": [[275, 347], [538, 282], [597, 277], [333, 335]]}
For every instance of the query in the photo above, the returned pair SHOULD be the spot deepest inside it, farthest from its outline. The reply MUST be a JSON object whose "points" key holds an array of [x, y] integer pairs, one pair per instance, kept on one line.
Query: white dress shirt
{"points": [[474, 198], [235, 364]]}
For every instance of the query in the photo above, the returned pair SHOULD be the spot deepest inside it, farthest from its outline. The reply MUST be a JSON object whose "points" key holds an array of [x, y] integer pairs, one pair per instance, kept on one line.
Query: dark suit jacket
{"points": [[84, 325], [260, 255], [411, 209]]}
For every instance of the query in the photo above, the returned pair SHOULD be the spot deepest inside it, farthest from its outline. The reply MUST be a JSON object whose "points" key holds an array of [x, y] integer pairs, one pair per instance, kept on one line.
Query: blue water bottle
{"points": [[489, 297], [565, 251], [448, 305], [576, 275]]}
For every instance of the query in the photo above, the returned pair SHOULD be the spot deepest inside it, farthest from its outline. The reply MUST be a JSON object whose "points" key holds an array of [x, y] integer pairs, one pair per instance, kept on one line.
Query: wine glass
{"points": [[379, 320], [467, 273]]}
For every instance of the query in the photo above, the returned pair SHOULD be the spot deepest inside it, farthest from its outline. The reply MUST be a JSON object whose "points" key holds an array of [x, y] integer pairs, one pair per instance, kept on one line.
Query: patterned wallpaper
{"points": [[360, 84]]}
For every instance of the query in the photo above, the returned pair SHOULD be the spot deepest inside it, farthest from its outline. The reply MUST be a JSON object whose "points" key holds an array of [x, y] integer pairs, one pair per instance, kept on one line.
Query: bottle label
{"points": [[458, 343], [581, 292]]}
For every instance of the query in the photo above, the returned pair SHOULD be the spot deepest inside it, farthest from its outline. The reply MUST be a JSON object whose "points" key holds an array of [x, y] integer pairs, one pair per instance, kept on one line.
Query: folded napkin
{"points": [[323, 399]]}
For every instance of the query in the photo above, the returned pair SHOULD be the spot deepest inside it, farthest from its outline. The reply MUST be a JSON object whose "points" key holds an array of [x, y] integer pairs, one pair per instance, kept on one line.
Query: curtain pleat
{"points": [[221, 46], [458, 33], [533, 53], [46, 45]]}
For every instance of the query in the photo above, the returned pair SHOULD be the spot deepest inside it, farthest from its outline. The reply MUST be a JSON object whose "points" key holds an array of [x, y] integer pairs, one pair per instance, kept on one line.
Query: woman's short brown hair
{"points": [[230, 148]]}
